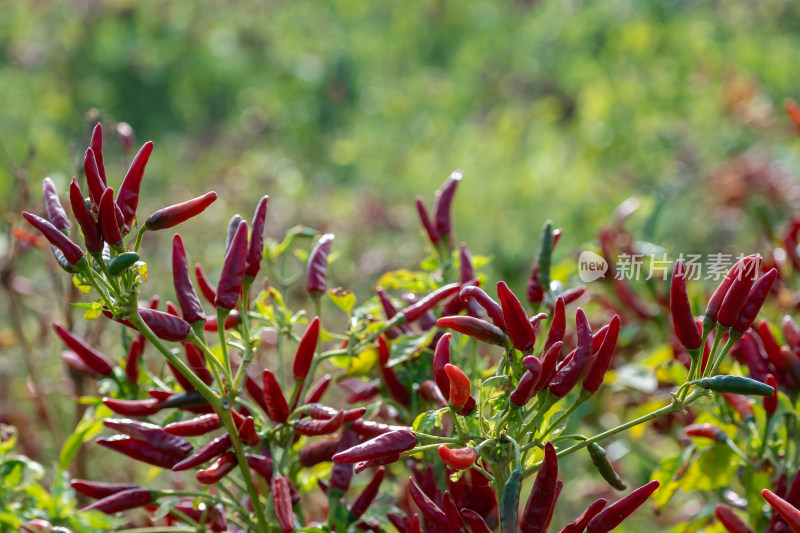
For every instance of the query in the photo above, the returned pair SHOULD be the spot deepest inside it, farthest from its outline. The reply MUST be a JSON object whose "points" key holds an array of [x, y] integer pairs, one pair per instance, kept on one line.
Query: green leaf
{"points": [[425, 422], [407, 347], [8, 438], [344, 299], [90, 425], [715, 468], [669, 473]]}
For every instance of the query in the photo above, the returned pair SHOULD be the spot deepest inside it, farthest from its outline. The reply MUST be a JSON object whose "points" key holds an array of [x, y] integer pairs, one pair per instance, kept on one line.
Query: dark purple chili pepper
{"points": [[427, 507], [197, 362], [601, 363], [737, 293], [573, 294], [122, 501], [211, 450], [397, 390], [367, 495], [543, 495], [715, 302], [217, 470], [77, 364], [568, 375], [175, 214], [97, 490], [579, 524], [255, 391], [465, 259], [135, 351], [72, 252], [371, 429], [255, 252], [96, 145], [519, 329], [475, 328], [96, 184], [194, 427], [233, 225], [277, 408], [165, 326], [306, 350], [493, 309], [444, 199], [413, 312], [755, 300], [682, 319], [230, 279], [184, 290], [55, 211], [452, 513], [128, 193], [139, 451], [87, 222], [261, 465], [549, 363], [475, 521], [93, 359], [613, 515], [441, 358], [151, 434], [317, 452], [133, 407], [107, 217], [430, 229], [313, 428], [558, 327], [342, 473], [315, 394], [527, 383], [391, 443], [317, 266], [208, 290]]}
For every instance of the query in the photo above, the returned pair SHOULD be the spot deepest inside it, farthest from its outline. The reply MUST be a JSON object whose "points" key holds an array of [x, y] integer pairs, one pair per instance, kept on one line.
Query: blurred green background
{"points": [[343, 111]]}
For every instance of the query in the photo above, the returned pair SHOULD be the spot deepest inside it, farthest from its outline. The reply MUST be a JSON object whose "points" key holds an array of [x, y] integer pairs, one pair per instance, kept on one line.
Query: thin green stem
{"points": [[734, 336], [139, 235], [554, 423], [717, 339], [222, 314]]}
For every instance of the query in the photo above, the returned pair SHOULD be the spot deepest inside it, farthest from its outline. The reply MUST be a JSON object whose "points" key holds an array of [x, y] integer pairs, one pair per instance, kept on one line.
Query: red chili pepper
{"points": [[413, 312], [475, 328], [135, 351], [317, 266], [277, 408], [96, 145], [614, 514], [320, 427], [132, 407], [367, 495], [459, 385], [771, 402], [255, 252], [255, 391], [431, 393], [230, 279], [128, 194], [535, 291], [729, 520], [194, 427], [184, 290], [305, 350], [519, 329], [77, 364], [548, 365], [459, 459], [794, 113], [558, 327], [55, 211], [107, 217], [247, 432], [122, 501], [493, 309], [211, 517], [465, 264], [444, 199], [371, 429], [468, 407], [342, 473], [441, 358], [211, 450], [282, 503], [543, 494], [323, 412], [568, 375], [598, 338], [430, 229], [175, 214], [737, 293], [397, 390], [208, 290], [96, 183], [771, 346], [231, 321], [374, 463], [579, 524], [197, 363], [573, 294], [233, 225], [93, 359], [788, 512], [72, 252], [139, 450], [715, 302], [318, 452], [601, 363], [218, 469], [755, 300], [559, 486], [315, 394], [261, 465], [475, 521], [706, 431], [682, 318], [166, 326], [384, 445], [97, 490], [527, 384], [151, 434], [429, 509], [451, 512], [87, 222], [740, 404]]}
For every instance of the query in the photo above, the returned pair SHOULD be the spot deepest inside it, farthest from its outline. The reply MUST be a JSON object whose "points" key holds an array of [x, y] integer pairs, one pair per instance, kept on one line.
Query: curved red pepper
{"points": [[230, 279], [706, 431], [317, 266], [87, 222], [475, 521], [788, 512], [579, 524], [459, 385], [614, 514], [452, 514], [95, 183], [430, 229], [543, 496], [128, 193], [444, 199], [277, 408], [187, 297], [173, 215], [320, 427], [519, 329], [771, 402], [467, 270], [441, 358], [255, 252], [247, 432], [475, 328], [207, 289], [384, 445], [217, 470], [151, 434], [573, 294], [231, 321], [211, 450], [135, 351], [261, 465], [318, 452], [740, 404], [315, 394], [197, 363], [342, 473], [601, 363], [430, 392], [72, 252], [714, 303], [459, 459], [305, 350], [96, 145], [568, 375], [98, 490], [107, 217], [122, 501], [93, 359], [682, 319], [427, 507], [282, 503], [132, 407], [527, 384], [558, 327], [738, 291], [139, 450], [730, 520], [368, 495], [493, 309], [165, 326], [549, 363], [55, 211], [194, 427], [755, 300], [397, 390], [413, 312]]}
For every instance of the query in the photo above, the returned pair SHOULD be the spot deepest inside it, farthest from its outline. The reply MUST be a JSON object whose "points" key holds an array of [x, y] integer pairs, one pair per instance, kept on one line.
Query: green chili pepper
{"points": [[509, 503], [545, 252], [601, 462], [119, 264], [736, 385]]}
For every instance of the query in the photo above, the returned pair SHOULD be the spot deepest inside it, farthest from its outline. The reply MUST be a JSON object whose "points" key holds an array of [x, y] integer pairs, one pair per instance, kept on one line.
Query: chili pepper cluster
{"points": [[469, 388]]}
